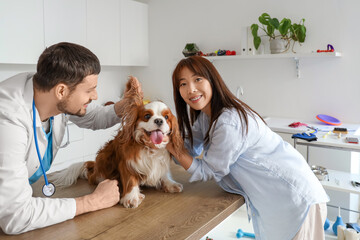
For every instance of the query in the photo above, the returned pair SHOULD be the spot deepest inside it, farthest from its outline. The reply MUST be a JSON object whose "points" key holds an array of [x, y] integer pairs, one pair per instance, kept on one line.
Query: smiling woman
{"points": [[195, 90], [244, 156]]}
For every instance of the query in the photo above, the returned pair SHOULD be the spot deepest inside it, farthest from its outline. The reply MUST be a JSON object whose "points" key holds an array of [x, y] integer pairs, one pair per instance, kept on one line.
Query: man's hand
{"points": [[105, 195]]}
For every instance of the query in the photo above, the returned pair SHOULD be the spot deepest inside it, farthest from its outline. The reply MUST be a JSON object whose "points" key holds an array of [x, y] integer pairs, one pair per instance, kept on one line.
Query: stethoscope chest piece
{"points": [[48, 190]]}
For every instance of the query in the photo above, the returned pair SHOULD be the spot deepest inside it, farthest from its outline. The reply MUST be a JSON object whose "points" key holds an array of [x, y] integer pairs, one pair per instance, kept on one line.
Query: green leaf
{"points": [[257, 41], [302, 33], [264, 18], [254, 29], [274, 22], [270, 31], [284, 27]]}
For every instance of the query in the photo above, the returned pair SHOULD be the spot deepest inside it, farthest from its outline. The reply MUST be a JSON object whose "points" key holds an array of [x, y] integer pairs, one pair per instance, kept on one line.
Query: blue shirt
{"points": [[272, 176]]}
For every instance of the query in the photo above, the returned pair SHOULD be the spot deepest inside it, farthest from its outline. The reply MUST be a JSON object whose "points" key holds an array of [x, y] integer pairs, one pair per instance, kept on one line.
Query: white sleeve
{"points": [[97, 117], [19, 211]]}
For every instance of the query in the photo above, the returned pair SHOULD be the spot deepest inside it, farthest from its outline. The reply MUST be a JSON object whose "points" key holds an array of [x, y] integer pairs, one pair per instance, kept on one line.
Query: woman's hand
{"points": [[105, 195], [170, 147], [182, 156]]}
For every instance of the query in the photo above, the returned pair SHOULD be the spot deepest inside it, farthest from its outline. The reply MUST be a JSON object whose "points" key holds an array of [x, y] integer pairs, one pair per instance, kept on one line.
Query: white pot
{"points": [[278, 45]]}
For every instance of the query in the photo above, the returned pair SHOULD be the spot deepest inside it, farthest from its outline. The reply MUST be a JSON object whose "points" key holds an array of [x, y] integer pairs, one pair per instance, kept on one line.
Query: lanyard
{"points": [[48, 188]]}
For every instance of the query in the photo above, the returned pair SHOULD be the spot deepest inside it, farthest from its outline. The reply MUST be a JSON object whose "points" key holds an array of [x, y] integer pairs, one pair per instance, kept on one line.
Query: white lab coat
{"points": [[19, 211]]}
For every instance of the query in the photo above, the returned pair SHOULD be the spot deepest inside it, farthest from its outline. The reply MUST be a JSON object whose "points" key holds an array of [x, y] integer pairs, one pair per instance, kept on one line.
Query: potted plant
{"points": [[190, 49], [283, 31]]}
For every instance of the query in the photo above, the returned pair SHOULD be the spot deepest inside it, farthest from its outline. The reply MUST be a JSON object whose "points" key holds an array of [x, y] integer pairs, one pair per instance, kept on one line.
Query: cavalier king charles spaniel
{"points": [[137, 155]]}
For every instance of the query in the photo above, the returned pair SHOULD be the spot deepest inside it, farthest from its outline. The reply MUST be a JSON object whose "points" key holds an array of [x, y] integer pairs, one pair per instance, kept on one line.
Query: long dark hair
{"points": [[66, 63], [222, 98]]}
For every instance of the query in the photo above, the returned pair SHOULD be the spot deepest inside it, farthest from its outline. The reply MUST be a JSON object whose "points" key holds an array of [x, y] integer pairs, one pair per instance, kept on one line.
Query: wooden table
{"points": [[187, 215]]}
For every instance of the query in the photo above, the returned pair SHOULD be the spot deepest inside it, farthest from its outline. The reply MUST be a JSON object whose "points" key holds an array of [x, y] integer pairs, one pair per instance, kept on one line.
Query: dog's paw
{"points": [[172, 187], [132, 200]]}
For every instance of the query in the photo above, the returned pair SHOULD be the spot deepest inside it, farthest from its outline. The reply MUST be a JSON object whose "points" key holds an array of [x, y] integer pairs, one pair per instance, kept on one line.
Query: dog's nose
{"points": [[158, 121]]}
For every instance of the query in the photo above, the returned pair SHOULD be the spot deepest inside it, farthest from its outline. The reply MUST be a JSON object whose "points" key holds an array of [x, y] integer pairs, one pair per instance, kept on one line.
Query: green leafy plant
{"points": [[275, 29], [190, 49]]}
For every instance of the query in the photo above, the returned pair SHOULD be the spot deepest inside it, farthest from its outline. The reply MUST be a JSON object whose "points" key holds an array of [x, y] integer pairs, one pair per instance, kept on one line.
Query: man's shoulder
{"points": [[12, 91], [16, 80]]}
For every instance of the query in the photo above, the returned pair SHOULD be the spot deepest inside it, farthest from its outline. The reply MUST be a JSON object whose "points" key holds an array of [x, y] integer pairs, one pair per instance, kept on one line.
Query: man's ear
{"points": [[61, 91]]}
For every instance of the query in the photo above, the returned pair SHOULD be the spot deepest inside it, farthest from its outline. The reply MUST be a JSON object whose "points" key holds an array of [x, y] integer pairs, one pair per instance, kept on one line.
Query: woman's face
{"points": [[195, 90]]}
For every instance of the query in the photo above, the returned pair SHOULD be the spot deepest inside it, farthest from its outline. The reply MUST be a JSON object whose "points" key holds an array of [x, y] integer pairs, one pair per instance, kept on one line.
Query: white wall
{"points": [[329, 86]]}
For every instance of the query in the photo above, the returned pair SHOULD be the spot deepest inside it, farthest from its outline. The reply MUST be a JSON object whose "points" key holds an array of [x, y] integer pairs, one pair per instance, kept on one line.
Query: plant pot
{"points": [[190, 49], [278, 46]]}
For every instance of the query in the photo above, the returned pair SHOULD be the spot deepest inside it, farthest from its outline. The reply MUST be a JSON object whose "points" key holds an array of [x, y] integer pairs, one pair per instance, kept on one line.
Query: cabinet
{"points": [[65, 21], [115, 30], [122, 28], [21, 31]]}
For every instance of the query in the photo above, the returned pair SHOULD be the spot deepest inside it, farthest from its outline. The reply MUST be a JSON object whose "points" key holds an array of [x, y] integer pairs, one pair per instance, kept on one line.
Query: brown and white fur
{"points": [[137, 155]]}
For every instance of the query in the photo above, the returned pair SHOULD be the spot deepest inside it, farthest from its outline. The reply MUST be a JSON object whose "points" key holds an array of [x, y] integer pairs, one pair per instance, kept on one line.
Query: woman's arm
{"points": [[182, 156]]}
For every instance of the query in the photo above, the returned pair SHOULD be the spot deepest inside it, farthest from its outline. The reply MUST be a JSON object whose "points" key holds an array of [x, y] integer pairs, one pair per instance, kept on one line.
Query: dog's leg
{"points": [[91, 173], [131, 193], [169, 185]]}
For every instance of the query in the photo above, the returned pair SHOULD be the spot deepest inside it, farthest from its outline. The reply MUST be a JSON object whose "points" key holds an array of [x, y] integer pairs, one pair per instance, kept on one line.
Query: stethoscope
{"points": [[48, 189]]}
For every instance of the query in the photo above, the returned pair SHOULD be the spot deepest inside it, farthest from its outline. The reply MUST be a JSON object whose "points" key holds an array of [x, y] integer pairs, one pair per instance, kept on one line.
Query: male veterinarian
{"points": [[34, 109]]}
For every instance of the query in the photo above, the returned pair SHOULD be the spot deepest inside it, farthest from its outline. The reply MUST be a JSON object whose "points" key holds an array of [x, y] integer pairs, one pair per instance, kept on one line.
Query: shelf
{"points": [[332, 142], [274, 56], [341, 181], [338, 180], [295, 56]]}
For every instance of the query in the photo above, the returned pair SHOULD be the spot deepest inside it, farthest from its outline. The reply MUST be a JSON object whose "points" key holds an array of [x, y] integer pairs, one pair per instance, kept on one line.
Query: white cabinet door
{"points": [[65, 21], [134, 33], [103, 30], [117, 32], [21, 31]]}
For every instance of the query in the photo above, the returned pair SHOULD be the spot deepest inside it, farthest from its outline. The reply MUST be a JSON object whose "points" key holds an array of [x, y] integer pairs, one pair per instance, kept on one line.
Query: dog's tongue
{"points": [[156, 137]]}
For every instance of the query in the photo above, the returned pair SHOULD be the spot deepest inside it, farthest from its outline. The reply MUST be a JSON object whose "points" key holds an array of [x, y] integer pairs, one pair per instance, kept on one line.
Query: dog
{"points": [[137, 155]]}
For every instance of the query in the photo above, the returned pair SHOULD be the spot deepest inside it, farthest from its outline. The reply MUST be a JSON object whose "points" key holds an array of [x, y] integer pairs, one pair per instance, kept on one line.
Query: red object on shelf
{"points": [[330, 48], [297, 124]]}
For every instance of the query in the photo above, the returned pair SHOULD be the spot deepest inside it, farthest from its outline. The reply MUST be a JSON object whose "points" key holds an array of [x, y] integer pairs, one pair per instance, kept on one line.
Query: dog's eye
{"points": [[166, 117], [147, 116]]}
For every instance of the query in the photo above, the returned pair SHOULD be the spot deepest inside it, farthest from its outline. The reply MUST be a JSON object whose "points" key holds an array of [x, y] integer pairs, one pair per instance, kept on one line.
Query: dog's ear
{"points": [[128, 115], [129, 108], [133, 90], [175, 136], [132, 98]]}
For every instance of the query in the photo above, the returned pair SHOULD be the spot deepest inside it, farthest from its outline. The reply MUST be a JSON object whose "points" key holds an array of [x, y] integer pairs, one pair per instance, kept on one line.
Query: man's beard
{"points": [[62, 106]]}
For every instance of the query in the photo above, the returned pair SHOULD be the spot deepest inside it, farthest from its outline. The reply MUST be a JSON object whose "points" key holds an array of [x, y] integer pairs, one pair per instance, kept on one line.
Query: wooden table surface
{"points": [[187, 215]]}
